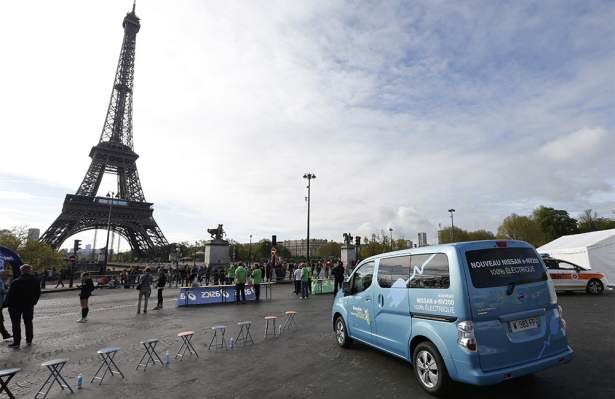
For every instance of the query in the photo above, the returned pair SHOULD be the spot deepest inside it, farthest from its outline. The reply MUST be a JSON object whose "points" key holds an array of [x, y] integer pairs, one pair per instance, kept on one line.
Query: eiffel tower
{"points": [[128, 214]]}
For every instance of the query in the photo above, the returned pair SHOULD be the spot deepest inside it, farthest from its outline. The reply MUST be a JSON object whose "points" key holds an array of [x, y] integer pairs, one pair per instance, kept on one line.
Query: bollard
{"points": [[79, 381], [167, 358]]}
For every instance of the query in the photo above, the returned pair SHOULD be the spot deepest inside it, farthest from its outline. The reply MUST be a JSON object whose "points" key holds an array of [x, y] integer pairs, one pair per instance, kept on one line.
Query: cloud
{"points": [[14, 195], [581, 144]]}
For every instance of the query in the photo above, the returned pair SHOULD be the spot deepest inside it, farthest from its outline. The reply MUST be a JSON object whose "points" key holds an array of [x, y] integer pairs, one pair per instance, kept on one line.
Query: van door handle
{"points": [[367, 299]]}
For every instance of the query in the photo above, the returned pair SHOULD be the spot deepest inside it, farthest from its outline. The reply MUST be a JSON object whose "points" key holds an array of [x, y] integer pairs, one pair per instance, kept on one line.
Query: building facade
{"points": [[34, 234]]}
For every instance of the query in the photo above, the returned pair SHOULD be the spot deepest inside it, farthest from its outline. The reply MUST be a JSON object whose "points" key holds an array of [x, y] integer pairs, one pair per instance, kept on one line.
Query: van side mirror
{"points": [[346, 288]]}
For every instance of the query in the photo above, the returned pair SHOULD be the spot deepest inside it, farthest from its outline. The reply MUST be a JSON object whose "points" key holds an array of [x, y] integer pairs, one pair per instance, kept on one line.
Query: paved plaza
{"points": [[302, 363]]}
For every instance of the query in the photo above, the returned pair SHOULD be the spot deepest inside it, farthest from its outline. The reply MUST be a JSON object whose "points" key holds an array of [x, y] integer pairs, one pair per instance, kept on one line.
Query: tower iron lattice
{"points": [[128, 214]]}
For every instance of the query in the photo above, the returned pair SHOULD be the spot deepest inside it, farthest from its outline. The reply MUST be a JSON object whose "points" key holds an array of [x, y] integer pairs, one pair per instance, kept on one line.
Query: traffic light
{"points": [[77, 246], [274, 240]]}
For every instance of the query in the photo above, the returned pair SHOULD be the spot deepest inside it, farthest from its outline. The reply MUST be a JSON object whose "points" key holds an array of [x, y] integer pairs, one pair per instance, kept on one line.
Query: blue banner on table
{"points": [[207, 295]]}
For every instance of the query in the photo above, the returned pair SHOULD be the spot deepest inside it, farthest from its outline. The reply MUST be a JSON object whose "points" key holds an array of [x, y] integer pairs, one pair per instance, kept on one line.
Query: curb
{"points": [[60, 290]]}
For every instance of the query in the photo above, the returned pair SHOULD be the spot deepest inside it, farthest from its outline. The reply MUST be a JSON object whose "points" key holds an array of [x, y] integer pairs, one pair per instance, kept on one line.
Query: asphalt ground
{"points": [[301, 363]]}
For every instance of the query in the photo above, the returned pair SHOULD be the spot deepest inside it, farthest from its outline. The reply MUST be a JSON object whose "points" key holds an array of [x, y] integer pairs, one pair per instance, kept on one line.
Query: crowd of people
{"points": [[23, 293]]}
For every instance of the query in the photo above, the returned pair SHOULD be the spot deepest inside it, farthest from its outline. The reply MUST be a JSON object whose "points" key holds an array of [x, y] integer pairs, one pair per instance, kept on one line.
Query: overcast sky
{"points": [[402, 110]]}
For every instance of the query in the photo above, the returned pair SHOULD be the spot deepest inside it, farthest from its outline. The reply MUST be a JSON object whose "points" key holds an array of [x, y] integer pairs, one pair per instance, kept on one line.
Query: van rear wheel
{"points": [[341, 333], [430, 370], [594, 287]]}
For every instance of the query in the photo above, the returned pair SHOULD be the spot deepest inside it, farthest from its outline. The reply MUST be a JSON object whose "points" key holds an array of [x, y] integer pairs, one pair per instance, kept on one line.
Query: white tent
{"points": [[594, 250]]}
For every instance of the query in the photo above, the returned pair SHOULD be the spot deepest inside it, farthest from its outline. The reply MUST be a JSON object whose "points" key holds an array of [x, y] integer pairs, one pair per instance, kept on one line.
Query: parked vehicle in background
{"points": [[568, 276], [475, 312]]}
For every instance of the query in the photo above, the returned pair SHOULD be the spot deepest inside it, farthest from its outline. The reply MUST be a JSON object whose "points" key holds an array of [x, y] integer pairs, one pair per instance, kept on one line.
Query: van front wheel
{"points": [[429, 369], [341, 333]]}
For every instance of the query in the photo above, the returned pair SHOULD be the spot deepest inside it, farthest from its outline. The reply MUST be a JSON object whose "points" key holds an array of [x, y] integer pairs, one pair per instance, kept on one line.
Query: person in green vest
{"points": [[305, 281], [230, 274], [257, 278], [240, 283], [310, 272]]}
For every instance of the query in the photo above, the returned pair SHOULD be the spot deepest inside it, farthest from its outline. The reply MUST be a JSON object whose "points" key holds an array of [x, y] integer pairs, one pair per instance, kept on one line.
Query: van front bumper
{"points": [[479, 377]]}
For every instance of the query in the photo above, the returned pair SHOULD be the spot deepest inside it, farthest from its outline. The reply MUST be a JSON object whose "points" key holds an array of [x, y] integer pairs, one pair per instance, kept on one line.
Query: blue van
{"points": [[476, 312]]}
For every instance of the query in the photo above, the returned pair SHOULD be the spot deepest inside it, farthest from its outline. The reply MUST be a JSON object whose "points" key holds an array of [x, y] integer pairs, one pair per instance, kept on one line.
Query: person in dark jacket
{"points": [[87, 286], [338, 273], [160, 284], [4, 289], [145, 288], [23, 294]]}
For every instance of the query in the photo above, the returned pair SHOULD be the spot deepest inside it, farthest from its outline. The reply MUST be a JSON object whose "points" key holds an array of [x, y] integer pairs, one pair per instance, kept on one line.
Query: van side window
{"points": [[363, 277], [429, 271], [394, 272]]}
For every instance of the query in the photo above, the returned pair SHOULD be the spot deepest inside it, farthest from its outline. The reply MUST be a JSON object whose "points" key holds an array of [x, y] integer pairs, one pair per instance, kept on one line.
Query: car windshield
{"points": [[496, 267]]}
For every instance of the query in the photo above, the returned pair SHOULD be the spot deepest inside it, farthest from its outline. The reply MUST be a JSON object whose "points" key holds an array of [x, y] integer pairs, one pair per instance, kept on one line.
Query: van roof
{"points": [[465, 246]]}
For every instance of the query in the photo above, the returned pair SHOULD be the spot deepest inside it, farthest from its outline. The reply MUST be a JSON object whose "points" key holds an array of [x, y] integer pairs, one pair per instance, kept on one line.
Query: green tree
{"points": [[40, 256], [35, 253], [525, 228], [373, 247], [458, 235], [461, 235], [480, 234], [329, 250], [400, 243], [554, 223], [10, 241], [590, 221]]}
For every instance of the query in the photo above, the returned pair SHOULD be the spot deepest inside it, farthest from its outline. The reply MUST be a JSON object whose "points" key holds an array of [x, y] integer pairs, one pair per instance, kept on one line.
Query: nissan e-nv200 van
{"points": [[476, 312]]}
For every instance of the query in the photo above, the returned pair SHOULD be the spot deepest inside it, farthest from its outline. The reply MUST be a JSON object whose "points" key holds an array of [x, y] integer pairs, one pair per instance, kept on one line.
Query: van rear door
{"points": [[514, 311]]}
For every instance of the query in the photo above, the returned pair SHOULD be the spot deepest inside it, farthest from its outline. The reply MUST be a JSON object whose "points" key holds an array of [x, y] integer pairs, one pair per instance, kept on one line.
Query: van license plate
{"points": [[524, 324]]}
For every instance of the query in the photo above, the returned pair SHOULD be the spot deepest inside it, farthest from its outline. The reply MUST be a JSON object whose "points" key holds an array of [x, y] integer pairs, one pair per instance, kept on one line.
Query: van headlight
{"points": [[465, 335]]}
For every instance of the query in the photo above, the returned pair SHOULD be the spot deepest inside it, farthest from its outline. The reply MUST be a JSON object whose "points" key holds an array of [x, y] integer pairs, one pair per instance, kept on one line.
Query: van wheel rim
{"points": [[339, 331], [427, 369]]}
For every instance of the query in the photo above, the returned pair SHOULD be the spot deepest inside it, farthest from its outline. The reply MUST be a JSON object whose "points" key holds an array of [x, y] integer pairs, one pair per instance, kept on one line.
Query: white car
{"points": [[567, 276]]}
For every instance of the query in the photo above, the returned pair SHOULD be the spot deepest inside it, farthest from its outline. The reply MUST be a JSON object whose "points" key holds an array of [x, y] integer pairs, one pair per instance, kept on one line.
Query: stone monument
{"points": [[349, 253], [217, 250]]}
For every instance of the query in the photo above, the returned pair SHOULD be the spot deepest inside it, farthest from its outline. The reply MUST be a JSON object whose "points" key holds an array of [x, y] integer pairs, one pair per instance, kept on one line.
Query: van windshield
{"points": [[496, 267]]}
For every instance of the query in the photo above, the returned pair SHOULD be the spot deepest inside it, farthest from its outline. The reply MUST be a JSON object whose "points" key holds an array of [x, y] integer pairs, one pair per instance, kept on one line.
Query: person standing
{"points": [[240, 283], [87, 286], [305, 280], [60, 280], [308, 265], [338, 274], [257, 278], [23, 295], [231, 274], [160, 284], [207, 275], [297, 280], [4, 289], [145, 289]]}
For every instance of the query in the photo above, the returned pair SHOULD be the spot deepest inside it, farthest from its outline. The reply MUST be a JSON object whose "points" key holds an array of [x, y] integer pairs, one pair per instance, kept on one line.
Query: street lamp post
{"points": [[452, 212], [196, 243], [250, 253], [110, 196], [391, 237], [309, 176]]}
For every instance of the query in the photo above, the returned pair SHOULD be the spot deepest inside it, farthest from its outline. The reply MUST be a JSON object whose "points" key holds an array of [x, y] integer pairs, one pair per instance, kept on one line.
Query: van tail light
{"points": [[465, 335], [501, 244]]}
